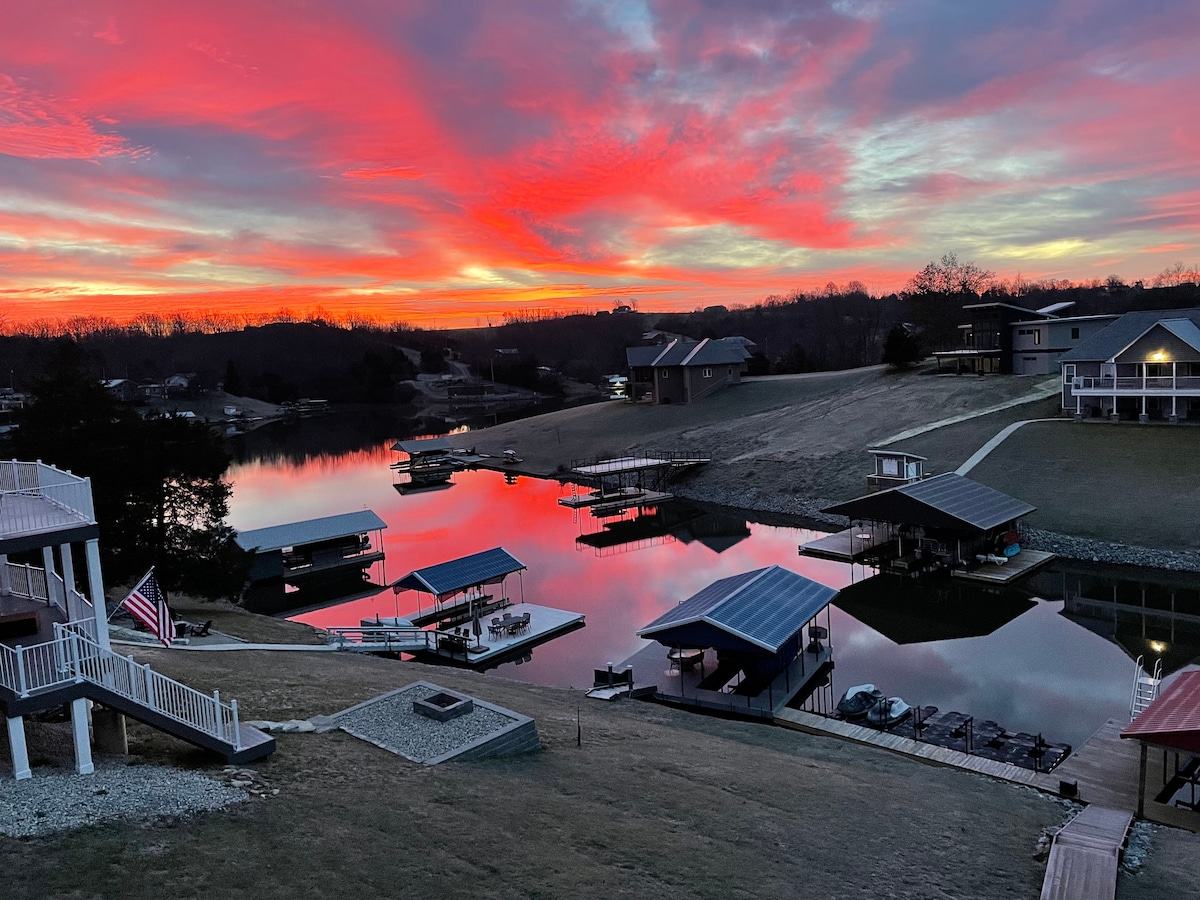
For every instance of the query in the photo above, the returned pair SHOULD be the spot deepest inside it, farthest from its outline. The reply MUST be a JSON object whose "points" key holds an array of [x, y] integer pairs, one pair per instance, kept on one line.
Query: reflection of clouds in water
{"points": [[1040, 672]]}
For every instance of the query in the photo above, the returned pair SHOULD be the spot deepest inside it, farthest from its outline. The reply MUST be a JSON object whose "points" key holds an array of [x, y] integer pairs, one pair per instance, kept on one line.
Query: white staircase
{"points": [[1145, 688]]}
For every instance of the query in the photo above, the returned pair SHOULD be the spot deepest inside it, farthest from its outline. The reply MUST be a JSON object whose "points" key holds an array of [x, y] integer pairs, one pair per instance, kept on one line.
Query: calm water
{"points": [[1017, 660]]}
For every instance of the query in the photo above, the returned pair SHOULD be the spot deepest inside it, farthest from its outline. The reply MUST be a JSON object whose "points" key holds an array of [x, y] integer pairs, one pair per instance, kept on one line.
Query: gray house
{"points": [[1144, 366], [685, 371]]}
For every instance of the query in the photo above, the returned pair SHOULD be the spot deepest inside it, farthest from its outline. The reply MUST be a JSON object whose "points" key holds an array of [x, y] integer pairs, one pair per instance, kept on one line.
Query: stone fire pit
{"points": [[443, 706]]}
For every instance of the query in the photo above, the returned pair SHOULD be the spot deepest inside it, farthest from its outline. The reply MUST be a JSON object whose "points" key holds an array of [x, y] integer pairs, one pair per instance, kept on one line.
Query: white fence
{"points": [[74, 657], [31, 583]]}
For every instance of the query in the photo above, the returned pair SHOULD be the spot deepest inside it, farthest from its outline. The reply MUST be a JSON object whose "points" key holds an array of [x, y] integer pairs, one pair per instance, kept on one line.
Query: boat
{"points": [[888, 712], [858, 700]]}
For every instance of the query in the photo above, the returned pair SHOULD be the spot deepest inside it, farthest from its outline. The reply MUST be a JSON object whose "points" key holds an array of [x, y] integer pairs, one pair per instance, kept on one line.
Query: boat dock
{"points": [[1013, 567], [851, 545], [459, 646], [690, 682]]}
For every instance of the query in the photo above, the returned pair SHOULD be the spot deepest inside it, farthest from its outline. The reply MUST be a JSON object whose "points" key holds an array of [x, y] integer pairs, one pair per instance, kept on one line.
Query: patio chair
{"points": [[201, 630]]}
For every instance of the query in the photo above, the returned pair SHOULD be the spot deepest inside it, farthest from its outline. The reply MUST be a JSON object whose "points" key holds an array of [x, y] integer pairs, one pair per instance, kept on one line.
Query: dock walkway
{"points": [[1085, 855]]}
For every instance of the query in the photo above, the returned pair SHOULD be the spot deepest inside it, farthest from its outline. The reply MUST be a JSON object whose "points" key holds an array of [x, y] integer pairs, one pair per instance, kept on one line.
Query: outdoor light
{"points": [[1158, 646], [1158, 355]]}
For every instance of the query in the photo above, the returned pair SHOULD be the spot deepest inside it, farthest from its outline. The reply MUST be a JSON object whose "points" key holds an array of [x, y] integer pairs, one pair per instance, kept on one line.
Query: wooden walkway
{"points": [[1017, 567], [1106, 768], [929, 753], [1085, 855]]}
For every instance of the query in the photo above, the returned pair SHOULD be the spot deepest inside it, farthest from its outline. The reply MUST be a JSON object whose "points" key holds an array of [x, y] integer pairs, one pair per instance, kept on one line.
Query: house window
{"points": [[707, 373], [1068, 373], [665, 373], [1035, 333], [1074, 334]]}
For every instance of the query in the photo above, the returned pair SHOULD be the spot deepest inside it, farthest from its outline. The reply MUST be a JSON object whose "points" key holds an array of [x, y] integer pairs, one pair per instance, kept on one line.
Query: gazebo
{"points": [[1171, 724]]}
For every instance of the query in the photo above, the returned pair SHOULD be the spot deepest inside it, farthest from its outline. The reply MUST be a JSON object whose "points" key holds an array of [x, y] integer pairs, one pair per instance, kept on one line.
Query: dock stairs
{"points": [[1085, 855], [74, 665], [1145, 688]]}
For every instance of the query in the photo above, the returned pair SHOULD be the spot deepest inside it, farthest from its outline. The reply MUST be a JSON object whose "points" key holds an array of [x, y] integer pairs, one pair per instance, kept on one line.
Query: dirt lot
{"points": [[807, 436]]}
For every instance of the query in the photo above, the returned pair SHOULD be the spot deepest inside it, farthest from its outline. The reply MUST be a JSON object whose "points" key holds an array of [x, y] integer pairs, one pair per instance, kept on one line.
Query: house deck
{"points": [[25, 514], [1016, 567]]}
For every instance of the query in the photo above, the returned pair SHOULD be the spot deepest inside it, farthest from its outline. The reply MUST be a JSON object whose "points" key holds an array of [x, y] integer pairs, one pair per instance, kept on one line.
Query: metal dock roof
{"points": [[424, 445], [944, 501], [765, 607], [460, 574], [312, 531]]}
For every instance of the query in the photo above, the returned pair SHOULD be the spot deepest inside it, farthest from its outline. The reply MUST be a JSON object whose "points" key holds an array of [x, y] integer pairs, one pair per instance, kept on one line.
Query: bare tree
{"points": [[950, 277]]}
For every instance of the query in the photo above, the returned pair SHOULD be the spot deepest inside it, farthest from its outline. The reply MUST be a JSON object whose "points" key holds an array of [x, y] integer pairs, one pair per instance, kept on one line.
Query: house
{"points": [[54, 638], [1144, 366], [123, 389], [1006, 339], [684, 371]]}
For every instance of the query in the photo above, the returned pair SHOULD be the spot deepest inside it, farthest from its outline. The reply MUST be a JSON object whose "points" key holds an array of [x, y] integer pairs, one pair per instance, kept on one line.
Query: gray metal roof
{"points": [[424, 445], [765, 607], [944, 501], [312, 531], [456, 575], [707, 352], [1108, 342]]}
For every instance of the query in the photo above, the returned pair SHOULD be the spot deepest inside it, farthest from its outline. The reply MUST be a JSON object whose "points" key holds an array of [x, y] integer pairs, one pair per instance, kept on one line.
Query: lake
{"points": [[1002, 655]]}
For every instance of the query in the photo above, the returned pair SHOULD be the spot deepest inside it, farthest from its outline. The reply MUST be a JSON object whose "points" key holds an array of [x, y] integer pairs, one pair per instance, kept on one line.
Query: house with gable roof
{"points": [[1144, 366], [685, 371]]}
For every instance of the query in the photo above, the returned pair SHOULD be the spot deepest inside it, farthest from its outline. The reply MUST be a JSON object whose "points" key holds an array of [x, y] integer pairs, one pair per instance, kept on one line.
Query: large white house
{"points": [[54, 638]]}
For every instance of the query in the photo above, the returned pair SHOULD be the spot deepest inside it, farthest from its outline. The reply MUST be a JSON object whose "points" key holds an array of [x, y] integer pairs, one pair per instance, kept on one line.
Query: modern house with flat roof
{"points": [[685, 371], [1143, 366], [1007, 339]]}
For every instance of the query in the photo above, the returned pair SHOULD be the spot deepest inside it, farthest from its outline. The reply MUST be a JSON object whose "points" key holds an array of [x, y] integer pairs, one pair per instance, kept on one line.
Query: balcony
{"points": [[36, 498], [1136, 386]]}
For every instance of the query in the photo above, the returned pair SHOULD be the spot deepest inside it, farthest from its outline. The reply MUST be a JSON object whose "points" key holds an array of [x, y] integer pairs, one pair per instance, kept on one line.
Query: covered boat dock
{"points": [[738, 646], [457, 588], [325, 546], [430, 463], [947, 522]]}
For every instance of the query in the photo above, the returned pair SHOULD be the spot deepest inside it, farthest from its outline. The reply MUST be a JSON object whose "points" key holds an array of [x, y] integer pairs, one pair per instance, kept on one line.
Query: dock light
{"points": [[1158, 646]]}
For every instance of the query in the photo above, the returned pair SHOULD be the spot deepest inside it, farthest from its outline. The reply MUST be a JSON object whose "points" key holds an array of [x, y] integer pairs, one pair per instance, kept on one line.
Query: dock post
{"points": [[610, 673]]}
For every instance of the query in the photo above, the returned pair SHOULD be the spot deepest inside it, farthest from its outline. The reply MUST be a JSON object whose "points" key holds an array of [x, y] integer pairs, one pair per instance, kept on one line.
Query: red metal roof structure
{"points": [[1173, 720]]}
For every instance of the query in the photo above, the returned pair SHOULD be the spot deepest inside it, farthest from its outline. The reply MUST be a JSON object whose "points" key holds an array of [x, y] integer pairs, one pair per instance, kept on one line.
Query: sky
{"points": [[451, 161]]}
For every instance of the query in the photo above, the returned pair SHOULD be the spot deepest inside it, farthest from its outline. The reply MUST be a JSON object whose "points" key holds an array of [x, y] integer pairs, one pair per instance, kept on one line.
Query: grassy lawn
{"points": [[1136, 484]]}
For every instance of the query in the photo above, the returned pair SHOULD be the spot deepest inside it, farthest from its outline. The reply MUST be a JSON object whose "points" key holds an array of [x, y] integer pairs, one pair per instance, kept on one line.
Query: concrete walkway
{"points": [[978, 456], [1046, 389]]}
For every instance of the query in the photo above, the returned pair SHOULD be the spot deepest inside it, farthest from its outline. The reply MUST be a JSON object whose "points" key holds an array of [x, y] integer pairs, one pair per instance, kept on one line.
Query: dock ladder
{"points": [[1145, 688]]}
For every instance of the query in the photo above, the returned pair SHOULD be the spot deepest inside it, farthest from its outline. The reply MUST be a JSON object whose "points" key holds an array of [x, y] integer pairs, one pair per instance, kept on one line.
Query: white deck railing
{"points": [[31, 583], [1135, 384], [74, 657], [36, 479]]}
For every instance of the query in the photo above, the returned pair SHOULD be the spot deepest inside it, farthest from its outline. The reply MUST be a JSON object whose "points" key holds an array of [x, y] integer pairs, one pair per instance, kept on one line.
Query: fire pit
{"points": [[444, 706]]}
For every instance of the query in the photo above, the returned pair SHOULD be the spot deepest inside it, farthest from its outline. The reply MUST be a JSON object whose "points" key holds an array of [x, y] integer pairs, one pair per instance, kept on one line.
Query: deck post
{"points": [[96, 589], [1141, 809], [48, 568], [5, 583], [20, 752], [22, 689], [79, 731], [237, 731], [68, 577]]}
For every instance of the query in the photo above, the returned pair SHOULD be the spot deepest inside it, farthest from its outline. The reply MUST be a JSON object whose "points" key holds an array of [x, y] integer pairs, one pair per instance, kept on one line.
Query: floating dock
{"points": [[691, 684], [850, 545], [1015, 567], [452, 646]]}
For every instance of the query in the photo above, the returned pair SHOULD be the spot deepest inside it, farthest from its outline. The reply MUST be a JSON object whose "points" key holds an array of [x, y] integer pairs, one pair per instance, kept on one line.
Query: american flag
{"points": [[148, 604]]}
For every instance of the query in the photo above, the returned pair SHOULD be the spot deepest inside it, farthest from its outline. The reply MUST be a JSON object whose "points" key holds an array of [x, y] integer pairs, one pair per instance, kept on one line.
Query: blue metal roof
{"points": [[459, 574], [311, 531], [765, 607]]}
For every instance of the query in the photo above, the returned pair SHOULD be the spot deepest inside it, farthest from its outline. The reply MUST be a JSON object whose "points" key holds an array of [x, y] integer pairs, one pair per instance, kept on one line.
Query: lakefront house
{"points": [[685, 371], [1145, 366]]}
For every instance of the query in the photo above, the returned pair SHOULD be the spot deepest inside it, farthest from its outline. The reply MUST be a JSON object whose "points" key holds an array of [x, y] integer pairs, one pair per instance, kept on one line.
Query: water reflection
{"points": [[1011, 657]]}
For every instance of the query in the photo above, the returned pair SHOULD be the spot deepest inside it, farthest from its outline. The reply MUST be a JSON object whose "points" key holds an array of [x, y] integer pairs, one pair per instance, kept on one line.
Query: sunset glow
{"points": [[445, 162]]}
